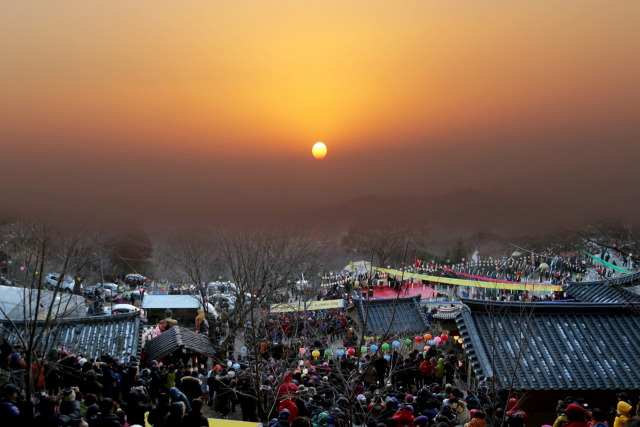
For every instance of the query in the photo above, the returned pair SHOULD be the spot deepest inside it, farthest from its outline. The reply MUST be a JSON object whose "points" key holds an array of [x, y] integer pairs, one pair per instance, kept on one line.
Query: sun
{"points": [[319, 150]]}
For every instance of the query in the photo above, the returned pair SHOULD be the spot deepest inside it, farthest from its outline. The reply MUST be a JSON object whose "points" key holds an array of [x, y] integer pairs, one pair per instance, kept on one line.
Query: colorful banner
{"points": [[481, 278], [518, 286], [603, 262], [310, 306]]}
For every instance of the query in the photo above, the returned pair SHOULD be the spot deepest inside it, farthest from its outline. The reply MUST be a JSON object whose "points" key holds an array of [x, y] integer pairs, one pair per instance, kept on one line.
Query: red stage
{"points": [[387, 292]]}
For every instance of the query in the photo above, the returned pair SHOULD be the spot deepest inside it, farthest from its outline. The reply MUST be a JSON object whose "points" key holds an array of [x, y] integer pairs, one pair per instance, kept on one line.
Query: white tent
{"points": [[359, 267], [18, 303], [173, 302]]}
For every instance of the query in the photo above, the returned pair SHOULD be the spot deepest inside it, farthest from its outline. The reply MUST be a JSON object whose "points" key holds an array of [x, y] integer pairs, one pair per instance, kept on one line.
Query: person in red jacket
{"points": [[291, 407], [286, 326], [514, 408], [287, 390], [576, 416], [38, 379], [404, 417]]}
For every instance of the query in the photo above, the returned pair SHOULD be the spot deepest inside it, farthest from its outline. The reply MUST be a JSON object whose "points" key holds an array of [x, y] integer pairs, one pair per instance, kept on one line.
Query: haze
{"points": [[171, 112]]}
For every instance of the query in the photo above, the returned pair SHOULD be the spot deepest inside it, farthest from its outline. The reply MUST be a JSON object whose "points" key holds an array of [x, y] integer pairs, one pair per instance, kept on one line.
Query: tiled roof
{"points": [[600, 293], [178, 338], [377, 314], [624, 280], [117, 335], [559, 346]]}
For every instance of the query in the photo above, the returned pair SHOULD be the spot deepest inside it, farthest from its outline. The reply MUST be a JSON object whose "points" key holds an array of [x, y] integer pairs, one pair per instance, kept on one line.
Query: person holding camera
{"points": [[62, 410]]}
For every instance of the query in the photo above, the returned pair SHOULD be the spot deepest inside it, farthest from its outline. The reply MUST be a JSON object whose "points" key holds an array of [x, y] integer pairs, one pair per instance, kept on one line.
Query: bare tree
{"points": [[384, 243], [41, 247]]}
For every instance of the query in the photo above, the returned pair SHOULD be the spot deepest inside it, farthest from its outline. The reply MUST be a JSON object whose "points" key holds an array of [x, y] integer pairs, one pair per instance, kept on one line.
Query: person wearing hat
{"points": [[291, 408], [287, 389], [178, 396], [421, 421], [624, 397], [303, 392], [9, 411], [319, 419], [462, 413], [404, 417], [515, 408], [283, 418], [331, 420], [191, 387], [361, 403], [576, 416], [623, 414], [479, 420]]}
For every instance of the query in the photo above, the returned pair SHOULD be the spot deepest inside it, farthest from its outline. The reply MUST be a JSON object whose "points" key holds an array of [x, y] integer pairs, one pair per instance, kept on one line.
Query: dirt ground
{"points": [[208, 412]]}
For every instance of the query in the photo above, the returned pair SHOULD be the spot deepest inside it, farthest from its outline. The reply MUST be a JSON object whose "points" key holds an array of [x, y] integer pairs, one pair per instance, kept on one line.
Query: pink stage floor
{"points": [[387, 292]]}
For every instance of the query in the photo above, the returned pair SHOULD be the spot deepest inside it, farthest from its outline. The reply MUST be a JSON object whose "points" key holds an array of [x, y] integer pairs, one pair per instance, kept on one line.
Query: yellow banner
{"points": [[311, 305], [473, 283], [213, 422]]}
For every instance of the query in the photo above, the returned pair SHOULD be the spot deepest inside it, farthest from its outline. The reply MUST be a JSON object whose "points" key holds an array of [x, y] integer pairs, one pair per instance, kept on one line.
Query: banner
{"points": [[601, 261], [522, 286], [310, 306]]}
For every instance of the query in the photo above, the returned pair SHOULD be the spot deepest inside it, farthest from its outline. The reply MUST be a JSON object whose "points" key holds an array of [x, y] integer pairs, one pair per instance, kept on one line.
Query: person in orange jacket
{"points": [[478, 420]]}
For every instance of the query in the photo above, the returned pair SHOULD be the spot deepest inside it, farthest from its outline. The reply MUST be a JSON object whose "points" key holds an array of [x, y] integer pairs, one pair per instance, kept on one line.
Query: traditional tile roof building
{"points": [[117, 335], [178, 339], [376, 315], [624, 280], [553, 346], [598, 292]]}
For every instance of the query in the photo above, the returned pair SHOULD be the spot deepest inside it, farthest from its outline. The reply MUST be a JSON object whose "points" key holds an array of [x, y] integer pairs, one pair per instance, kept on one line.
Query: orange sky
{"points": [[180, 85]]}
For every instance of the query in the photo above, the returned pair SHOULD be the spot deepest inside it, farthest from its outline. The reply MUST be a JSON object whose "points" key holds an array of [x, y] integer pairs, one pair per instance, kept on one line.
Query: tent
{"points": [[183, 306], [18, 303]]}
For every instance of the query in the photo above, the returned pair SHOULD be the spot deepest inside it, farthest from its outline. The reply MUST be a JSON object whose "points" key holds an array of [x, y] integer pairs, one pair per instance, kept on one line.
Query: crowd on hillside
{"points": [[550, 269]]}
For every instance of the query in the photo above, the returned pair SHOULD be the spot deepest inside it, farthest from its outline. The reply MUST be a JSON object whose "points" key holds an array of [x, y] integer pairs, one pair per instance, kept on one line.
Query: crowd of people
{"points": [[402, 388], [553, 269], [288, 373], [293, 330]]}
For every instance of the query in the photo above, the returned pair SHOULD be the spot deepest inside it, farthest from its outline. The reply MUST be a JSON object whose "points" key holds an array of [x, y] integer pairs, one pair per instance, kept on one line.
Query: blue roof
{"points": [[600, 293], [561, 346], [376, 316]]}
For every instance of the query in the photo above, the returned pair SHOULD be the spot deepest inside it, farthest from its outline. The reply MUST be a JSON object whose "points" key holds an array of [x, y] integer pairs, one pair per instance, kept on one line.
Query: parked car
{"points": [[66, 284], [221, 288], [213, 299], [111, 286], [124, 308], [107, 290]]}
